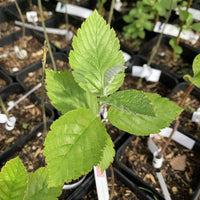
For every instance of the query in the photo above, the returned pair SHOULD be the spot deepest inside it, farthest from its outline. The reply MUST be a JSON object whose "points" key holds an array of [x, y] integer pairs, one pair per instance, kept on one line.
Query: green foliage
{"points": [[61, 84], [76, 142], [92, 56], [13, 180], [16, 185], [38, 186], [196, 71], [177, 48], [165, 112]]}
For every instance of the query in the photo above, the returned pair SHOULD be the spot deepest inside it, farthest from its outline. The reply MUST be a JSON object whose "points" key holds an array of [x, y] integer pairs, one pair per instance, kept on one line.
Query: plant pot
{"points": [[28, 116], [164, 55], [31, 76], [88, 190], [145, 174], [166, 82], [5, 80], [191, 105], [11, 64]]}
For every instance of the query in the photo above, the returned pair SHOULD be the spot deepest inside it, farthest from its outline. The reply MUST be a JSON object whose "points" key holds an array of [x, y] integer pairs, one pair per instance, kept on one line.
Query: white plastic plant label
{"points": [[146, 72], [3, 118], [73, 10], [101, 184], [195, 13], [178, 137], [32, 16], [9, 122], [196, 116], [127, 57], [118, 5], [173, 31], [21, 54]]}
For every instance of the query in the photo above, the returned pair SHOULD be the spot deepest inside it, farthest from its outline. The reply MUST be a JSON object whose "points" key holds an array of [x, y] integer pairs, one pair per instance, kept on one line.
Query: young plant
{"points": [[78, 140], [186, 19], [194, 81], [144, 16]]}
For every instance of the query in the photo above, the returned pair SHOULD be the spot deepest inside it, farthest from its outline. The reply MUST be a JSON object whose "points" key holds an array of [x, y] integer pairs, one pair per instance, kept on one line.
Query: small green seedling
{"points": [[78, 140]]}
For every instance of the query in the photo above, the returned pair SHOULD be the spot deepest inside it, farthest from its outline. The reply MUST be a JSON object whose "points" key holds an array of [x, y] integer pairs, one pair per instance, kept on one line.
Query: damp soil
{"points": [[131, 82], [7, 28], [179, 66], [180, 183], [121, 192], [28, 115], [11, 63], [33, 78], [191, 105]]}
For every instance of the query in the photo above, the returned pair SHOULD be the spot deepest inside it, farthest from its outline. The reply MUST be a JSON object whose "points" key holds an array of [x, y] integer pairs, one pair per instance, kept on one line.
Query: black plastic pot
{"points": [[188, 54], [166, 78], [139, 181], [90, 184], [6, 78], [16, 88]]}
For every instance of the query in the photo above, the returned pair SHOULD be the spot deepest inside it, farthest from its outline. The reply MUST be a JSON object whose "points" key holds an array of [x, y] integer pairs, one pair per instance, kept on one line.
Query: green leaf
{"points": [[196, 71], [183, 14], [96, 49], [165, 112], [13, 180], [74, 145], [178, 49], [130, 101], [66, 94], [38, 186], [113, 79], [196, 26], [108, 154]]}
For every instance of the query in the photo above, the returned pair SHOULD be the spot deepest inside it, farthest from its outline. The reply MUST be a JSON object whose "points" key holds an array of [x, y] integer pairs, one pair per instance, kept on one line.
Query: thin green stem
{"points": [[111, 11], [3, 108], [45, 35], [23, 26], [45, 49]]}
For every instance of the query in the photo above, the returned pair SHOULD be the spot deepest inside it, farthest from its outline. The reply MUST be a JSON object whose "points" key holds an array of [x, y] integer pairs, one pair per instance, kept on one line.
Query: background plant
{"points": [[144, 16], [78, 140]]}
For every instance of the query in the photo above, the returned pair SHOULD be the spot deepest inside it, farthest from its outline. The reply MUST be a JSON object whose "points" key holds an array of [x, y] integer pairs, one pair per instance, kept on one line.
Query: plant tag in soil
{"points": [[32, 16], [195, 13], [126, 56], [196, 116], [21, 54], [118, 5], [101, 184], [178, 137], [146, 72], [73, 10], [173, 31]]}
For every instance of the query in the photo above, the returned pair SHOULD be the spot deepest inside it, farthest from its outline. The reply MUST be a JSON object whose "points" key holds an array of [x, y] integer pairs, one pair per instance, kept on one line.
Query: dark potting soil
{"points": [[131, 82], [162, 58], [113, 131], [180, 183], [12, 63], [35, 77], [60, 40], [191, 105], [120, 192], [7, 28], [28, 115]]}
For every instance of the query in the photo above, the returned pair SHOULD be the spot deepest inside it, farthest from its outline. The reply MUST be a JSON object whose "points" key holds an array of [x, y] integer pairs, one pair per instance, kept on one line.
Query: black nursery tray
{"points": [[5, 79], [15, 89]]}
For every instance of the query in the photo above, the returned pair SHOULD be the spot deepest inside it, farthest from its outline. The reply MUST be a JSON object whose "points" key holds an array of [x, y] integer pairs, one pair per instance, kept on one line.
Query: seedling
{"points": [[194, 81], [186, 19], [78, 140], [143, 17]]}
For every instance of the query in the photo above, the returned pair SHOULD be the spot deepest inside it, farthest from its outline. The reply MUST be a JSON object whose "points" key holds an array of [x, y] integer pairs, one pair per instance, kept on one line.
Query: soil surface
{"points": [[162, 58], [28, 115], [120, 192], [7, 28], [2, 83], [12, 63], [191, 105], [180, 183], [131, 82]]}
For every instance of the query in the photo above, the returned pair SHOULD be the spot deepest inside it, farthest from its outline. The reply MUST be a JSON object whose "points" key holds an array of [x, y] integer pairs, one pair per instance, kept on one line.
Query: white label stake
{"points": [[101, 184], [196, 116]]}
